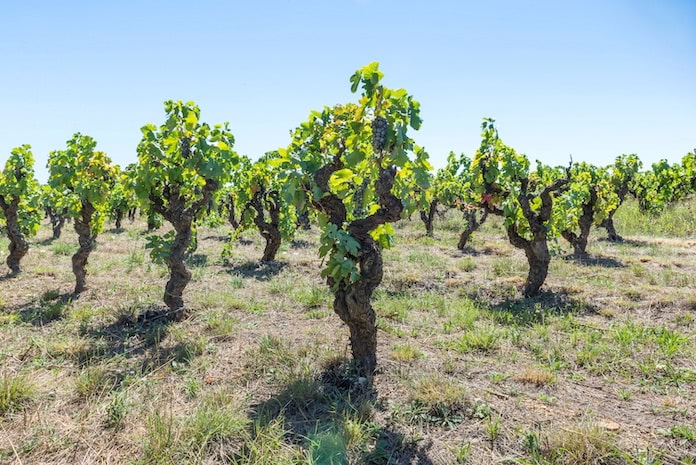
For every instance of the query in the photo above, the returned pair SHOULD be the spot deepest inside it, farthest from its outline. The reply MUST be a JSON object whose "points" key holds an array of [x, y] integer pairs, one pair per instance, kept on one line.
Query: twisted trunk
{"points": [[608, 224], [473, 223], [269, 230], [352, 305], [179, 274], [83, 228], [536, 249], [181, 217], [231, 213], [427, 217], [18, 245], [579, 241], [352, 302], [119, 218], [57, 220], [538, 258]]}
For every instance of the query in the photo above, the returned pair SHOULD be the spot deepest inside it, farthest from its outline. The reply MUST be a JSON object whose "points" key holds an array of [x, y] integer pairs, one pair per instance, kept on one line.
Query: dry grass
{"points": [[469, 370]]}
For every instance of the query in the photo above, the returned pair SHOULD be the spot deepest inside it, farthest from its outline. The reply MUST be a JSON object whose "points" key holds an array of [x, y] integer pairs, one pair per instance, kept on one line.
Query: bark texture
{"points": [[608, 224], [352, 302], [181, 218], [474, 219], [57, 219], [119, 218], [536, 249], [19, 246], [269, 230], [428, 217], [87, 241], [579, 241]]}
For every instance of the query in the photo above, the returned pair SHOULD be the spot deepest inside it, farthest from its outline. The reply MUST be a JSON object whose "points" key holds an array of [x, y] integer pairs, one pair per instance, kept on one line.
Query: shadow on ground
{"points": [[314, 411], [262, 271], [532, 310], [595, 260]]}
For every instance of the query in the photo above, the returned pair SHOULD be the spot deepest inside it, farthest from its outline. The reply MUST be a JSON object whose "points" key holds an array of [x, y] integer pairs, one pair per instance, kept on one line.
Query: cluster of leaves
{"points": [[588, 184], [341, 137], [81, 175], [261, 179], [122, 197], [180, 163], [663, 184], [453, 185], [17, 181], [500, 175]]}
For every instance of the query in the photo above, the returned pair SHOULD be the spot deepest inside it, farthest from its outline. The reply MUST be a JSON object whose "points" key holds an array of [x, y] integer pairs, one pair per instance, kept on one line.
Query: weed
{"points": [[583, 445], [493, 425], [63, 248], [485, 339], [220, 324], [405, 352], [686, 434], [462, 453], [15, 390], [625, 394], [135, 258], [94, 381], [117, 410]]}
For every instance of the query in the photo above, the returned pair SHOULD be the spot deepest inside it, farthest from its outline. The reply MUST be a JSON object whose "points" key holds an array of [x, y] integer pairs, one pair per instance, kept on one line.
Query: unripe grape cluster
{"points": [[379, 133]]}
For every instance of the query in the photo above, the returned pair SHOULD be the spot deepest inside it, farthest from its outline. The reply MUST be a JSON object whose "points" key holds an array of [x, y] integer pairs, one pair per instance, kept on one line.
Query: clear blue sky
{"points": [[591, 78]]}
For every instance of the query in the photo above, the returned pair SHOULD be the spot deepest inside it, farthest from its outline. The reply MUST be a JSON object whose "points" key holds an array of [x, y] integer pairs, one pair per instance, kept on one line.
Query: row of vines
{"points": [[352, 169]]}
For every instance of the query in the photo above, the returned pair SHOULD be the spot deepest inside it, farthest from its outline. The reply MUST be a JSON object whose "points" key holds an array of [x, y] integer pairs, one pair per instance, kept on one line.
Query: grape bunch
{"points": [[379, 133], [185, 147]]}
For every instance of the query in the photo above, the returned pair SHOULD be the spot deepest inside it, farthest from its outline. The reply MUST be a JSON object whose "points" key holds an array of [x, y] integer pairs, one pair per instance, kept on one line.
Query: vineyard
{"points": [[340, 301]]}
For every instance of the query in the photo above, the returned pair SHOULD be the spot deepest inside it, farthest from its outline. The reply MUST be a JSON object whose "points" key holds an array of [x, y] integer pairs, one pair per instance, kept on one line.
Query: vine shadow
{"points": [[47, 241], [527, 311], [300, 244], [132, 333], [46, 309], [137, 336], [595, 260], [624, 241], [215, 238], [313, 409], [197, 260], [261, 271]]}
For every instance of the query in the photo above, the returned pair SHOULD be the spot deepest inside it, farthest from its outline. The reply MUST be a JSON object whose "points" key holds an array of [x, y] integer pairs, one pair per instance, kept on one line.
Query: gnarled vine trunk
{"points": [[352, 302], [87, 241], [269, 229], [579, 241], [428, 217], [538, 258], [119, 218], [19, 246], [181, 217], [536, 249], [179, 274], [57, 220], [608, 224], [472, 224]]}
